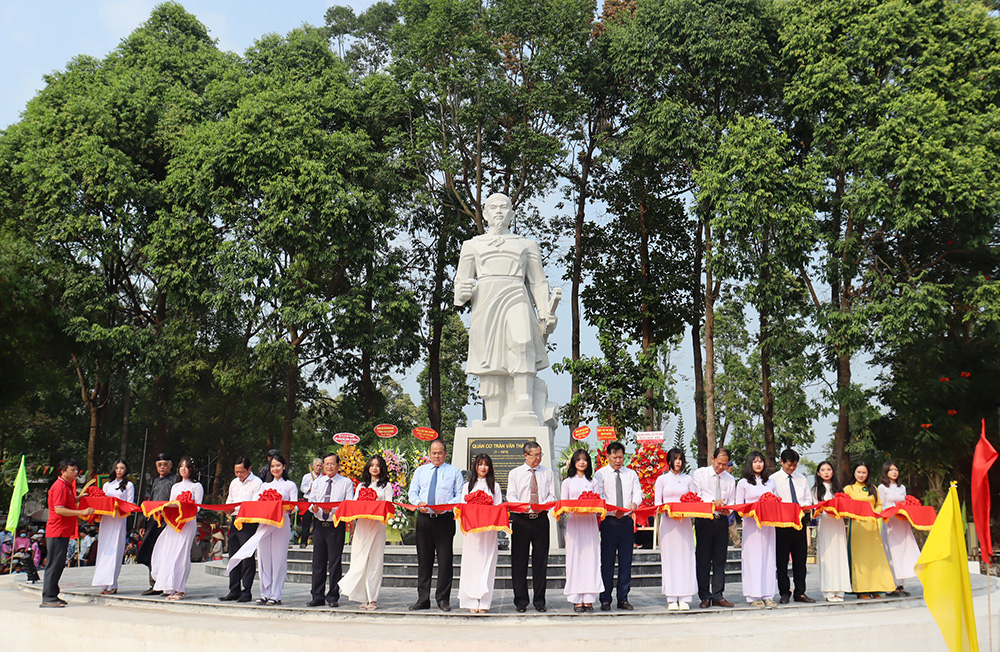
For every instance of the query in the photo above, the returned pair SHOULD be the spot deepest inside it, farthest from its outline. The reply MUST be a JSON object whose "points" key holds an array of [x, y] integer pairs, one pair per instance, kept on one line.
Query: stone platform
{"points": [[401, 567], [200, 622]]}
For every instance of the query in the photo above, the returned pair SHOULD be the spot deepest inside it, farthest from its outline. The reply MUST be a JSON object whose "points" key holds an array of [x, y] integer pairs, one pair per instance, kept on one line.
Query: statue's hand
{"points": [[464, 292], [549, 324]]}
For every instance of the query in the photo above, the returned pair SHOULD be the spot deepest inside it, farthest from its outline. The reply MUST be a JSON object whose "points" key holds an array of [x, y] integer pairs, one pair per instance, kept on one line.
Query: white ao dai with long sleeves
{"points": [[897, 535], [477, 575], [677, 562], [111, 539], [831, 550], [364, 576], [759, 559], [583, 546], [272, 551], [171, 562]]}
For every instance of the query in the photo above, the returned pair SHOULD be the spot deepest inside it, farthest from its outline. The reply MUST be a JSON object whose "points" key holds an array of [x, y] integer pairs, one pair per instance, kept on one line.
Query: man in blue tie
{"points": [[791, 487], [436, 483]]}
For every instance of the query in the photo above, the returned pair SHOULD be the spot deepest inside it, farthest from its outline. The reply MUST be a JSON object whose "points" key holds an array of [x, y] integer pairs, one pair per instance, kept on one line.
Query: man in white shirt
{"points": [[791, 487], [244, 487], [328, 539], [437, 483], [715, 485], [314, 472], [530, 483], [622, 489]]}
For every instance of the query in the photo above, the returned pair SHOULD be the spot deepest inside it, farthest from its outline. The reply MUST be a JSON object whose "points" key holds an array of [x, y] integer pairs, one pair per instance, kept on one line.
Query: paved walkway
{"points": [[201, 622]]}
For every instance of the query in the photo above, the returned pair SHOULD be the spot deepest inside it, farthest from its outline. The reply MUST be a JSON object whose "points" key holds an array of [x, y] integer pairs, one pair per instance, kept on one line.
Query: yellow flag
{"points": [[943, 569]]}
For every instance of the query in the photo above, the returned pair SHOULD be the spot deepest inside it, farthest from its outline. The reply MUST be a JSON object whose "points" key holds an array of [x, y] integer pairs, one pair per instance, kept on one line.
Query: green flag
{"points": [[20, 488]]}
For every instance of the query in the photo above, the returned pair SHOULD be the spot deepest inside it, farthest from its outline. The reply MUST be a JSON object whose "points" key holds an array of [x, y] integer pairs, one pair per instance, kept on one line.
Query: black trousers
{"points": [[306, 521], [710, 556], [145, 554], [529, 534], [327, 560], [617, 539], [435, 536], [54, 567], [241, 579], [789, 541]]}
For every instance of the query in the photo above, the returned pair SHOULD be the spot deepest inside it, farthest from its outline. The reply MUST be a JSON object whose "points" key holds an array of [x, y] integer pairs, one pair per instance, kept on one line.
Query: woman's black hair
{"points": [[187, 461], [672, 455], [868, 481], [383, 471], [124, 481], [284, 472], [819, 488], [885, 473], [748, 473], [571, 467], [474, 472]]}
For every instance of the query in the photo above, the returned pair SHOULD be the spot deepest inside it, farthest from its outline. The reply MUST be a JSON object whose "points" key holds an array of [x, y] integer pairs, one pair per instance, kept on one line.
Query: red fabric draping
{"points": [[375, 510], [677, 511], [174, 512], [473, 518], [107, 506], [982, 460], [771, 513], [858, 510], [920, 516], [265, 512], [598, 507]]}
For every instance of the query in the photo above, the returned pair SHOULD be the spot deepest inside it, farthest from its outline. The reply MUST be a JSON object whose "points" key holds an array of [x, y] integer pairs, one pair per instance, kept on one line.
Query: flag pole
{"points": [[989, 601]]}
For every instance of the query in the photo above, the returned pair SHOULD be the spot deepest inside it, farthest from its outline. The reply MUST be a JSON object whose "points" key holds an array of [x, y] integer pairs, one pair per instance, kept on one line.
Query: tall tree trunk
{"points": [[367, 383], [95, 398], [582, 196], [701, 432], [222, 452], [710, 435], [763, 312], [126, 418], [840, 296], [291, 392], [437, 329], [647, 321]]}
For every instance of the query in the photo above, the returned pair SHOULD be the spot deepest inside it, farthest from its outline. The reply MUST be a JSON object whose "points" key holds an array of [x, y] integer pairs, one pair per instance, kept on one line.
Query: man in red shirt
{"points": [[62, 526]]}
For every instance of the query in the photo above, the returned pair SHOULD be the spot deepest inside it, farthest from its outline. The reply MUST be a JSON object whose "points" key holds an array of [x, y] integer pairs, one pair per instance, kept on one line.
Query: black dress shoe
{"points": [[152, 591], [605, 606], [804, 598], [417, 606], [521, 608], [784, 599], [316, 603], [245, 597], [229, 597], [625, 604], [334, 604], [540, 608], [705, 604], [444, 606]]}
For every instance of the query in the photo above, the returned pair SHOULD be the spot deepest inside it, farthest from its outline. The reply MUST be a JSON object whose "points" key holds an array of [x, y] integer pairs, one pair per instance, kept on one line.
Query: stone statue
{"points": [[512, 317]]}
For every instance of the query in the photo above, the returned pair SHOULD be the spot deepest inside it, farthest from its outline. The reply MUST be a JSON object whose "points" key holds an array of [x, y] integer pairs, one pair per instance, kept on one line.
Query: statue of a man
{"points": [[512, 315]]}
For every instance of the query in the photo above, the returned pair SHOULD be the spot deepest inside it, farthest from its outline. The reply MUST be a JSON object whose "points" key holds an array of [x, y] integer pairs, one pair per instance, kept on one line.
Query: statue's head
{"points": [[498, 213]]}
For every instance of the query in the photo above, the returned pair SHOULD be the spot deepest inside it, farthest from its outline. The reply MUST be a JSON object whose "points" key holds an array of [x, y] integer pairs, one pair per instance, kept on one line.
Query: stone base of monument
{"points": [[505, 446]]}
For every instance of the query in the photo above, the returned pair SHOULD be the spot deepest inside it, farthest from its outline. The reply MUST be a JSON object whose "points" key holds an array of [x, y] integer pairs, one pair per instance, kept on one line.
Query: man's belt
{"points": [[323, 523], [530, 515]]}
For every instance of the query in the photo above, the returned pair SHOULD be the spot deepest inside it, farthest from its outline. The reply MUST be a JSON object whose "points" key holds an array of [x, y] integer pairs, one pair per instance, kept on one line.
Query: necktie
{"points": [[791, 488], [326, 498], [718, 487], [533, 495], [432, 490], [620, 500]]}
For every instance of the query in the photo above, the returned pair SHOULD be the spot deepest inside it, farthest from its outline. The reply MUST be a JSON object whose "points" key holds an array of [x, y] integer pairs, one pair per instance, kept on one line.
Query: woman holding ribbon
{"points": [[111, 537], [870, 571], [760, 578], [171, 563], [364, 577], [272, 549], [677, 563], [897, 535], [479, 550], [831, 538], [583, 539]]}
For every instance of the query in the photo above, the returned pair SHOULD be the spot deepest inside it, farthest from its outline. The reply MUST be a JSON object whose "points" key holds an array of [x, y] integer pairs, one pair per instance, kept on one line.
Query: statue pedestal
{"points": [[505, 446]]}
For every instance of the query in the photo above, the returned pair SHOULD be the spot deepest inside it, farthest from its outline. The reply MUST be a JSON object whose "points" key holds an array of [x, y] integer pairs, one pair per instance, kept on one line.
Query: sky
{"points": [[37, 38]]}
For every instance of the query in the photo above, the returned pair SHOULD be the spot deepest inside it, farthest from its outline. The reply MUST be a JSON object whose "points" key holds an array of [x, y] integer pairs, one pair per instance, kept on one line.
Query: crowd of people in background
{"points": [[862, 557]]}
